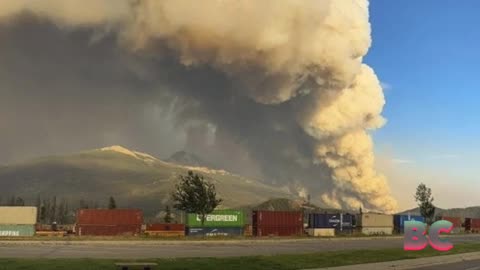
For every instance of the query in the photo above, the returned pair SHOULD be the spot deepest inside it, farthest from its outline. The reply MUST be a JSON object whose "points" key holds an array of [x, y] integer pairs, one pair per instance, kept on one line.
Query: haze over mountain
{"points": [[135, 179]]}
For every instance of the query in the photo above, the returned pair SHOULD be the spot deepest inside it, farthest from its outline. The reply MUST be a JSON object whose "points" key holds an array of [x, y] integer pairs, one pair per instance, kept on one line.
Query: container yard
{"points": [[399, 221], [375, 224], [17, 221], [22, 222], [277, 223], [109, 222]]}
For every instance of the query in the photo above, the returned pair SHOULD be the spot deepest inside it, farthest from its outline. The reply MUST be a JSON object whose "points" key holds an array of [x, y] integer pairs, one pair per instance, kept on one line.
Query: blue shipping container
{"points": [[336, 221], [399, 221], [218, 231]]}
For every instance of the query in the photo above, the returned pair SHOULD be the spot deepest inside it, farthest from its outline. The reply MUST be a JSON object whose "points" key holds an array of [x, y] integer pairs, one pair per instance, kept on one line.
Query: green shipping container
{"points": [[16, 230], [218, 218]]}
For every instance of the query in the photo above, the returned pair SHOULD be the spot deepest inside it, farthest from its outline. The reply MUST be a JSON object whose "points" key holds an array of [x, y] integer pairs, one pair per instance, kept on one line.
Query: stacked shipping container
{"points": [[277, 223], [373, 223], [217, 223], [109, 222], [399, 221], [17, 221]]}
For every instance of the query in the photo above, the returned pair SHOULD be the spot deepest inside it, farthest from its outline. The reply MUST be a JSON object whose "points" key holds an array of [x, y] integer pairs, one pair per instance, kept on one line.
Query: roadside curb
{"points": [[410, 263]]}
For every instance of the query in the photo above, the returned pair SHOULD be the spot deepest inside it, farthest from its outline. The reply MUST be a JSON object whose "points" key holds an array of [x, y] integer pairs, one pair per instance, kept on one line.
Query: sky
{"points": [[156, 88], [426, 55]]}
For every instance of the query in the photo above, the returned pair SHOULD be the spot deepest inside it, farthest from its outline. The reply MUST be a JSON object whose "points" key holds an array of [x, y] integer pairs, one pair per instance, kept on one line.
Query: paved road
{"points": [[162, 249], [467, 265]]}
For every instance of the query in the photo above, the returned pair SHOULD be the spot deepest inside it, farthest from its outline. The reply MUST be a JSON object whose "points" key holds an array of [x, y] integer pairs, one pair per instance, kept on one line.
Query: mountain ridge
{"points": [[135, 179]]}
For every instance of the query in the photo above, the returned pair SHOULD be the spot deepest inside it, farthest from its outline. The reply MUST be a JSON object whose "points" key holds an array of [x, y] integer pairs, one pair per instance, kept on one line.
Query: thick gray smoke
{"points": [[271, 89]]}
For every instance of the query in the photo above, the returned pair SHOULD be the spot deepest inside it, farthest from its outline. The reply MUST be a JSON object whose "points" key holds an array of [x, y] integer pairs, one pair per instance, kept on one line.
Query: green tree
{"points": [[424, 198], [111, 203], [168, 215], [194, 194]]}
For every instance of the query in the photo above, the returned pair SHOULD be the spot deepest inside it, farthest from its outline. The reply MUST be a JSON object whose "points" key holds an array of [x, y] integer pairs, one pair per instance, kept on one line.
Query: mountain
{"points": [[188, 159], [471, 212], [133, 178]]}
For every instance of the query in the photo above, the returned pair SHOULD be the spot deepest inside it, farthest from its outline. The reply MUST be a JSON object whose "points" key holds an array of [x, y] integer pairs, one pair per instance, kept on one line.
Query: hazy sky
{"points": [[427, 55]]}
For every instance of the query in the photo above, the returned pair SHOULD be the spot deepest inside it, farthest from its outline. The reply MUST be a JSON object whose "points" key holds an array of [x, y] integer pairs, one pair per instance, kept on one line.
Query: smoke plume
{"points": [[271, 89]]}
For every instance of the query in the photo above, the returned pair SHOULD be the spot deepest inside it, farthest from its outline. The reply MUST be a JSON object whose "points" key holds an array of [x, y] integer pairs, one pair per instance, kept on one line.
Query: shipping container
{"points": [[165, 227], [377, 230], [339, 222], [109, 217], [277, 218], [21, 215], [321, 232], [16, 230], [399, 221], [456, 221], [211, 231], [218, 218], [375, 220], [278, 230], [277, 223], [472, 225], [108, 230]]}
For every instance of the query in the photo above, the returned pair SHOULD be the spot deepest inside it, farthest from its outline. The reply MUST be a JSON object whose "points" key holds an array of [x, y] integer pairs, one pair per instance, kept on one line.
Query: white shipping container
{"points": [[375, 220], [321, 232], [377, 230], [18, 215]]}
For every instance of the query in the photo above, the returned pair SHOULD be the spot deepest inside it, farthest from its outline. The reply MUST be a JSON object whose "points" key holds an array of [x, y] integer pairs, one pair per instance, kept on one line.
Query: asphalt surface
{"points": [[467, 265], [167, 249]]}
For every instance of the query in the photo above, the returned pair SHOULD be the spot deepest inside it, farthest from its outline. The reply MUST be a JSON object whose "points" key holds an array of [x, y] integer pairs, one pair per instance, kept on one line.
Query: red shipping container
{"points": [[109, 217], [277, 218], [277, 231], [108, 230], [472, 224], [456, 221], [277, 223], [165, 227]]}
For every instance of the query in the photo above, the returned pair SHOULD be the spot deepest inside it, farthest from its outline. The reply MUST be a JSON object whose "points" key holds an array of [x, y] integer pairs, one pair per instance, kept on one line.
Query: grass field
{"points": [[279, 262]]}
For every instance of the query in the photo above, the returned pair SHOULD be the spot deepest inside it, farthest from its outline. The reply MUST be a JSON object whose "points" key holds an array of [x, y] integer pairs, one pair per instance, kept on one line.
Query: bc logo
{"points": [[416, 235]]}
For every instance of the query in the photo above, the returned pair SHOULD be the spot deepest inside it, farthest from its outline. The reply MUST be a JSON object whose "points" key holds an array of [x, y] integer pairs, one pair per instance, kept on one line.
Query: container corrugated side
{"points": [[377, 230], [336, 221], [375, 220], [399, 221], [16, 230], [261, 231], [277, 218], [22, 215], [472, 225], [218, 218], [109, 217], [108, 230], [457, 221], [211, 231]]}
